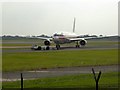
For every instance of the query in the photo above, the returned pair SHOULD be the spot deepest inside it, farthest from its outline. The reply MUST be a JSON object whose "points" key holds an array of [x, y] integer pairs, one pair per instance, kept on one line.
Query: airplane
{"points": [[62, 38]]}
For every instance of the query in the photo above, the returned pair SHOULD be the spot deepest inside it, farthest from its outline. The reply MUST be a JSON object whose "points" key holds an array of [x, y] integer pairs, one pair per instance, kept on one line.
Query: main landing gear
{"points": [[77, 45], [58, 47], [47, 48]]}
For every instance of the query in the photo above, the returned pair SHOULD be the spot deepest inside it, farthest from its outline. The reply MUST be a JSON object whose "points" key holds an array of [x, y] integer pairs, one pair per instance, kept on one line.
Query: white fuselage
{"points": [[63, 37]]}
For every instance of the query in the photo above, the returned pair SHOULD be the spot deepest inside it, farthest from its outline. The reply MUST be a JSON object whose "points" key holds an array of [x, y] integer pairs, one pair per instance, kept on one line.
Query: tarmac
{"points": [[29, 75], [28, 48]]}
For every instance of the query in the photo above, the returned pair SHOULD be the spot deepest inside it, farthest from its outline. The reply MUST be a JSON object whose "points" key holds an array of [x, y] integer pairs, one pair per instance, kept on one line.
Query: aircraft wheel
{"points": [[47, 48], [58, 47], [77, 46], [39, 48]]}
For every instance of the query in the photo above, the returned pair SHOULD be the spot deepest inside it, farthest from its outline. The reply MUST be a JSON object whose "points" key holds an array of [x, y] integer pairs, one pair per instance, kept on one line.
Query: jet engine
{"points": [[83, 42], [47, 43]]}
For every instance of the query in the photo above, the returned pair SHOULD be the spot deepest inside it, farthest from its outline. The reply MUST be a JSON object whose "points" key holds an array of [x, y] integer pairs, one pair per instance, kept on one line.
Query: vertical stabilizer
{"points": [[74, 26]]}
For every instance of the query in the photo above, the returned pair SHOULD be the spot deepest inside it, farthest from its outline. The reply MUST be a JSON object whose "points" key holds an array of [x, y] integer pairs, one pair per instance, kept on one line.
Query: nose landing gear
{"points": [[77, 44], [58, 47]]}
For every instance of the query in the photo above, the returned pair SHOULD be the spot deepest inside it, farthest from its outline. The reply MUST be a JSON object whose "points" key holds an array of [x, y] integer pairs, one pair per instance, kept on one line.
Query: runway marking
{"points": [[38, 71], [31, 75], [14, 46]]}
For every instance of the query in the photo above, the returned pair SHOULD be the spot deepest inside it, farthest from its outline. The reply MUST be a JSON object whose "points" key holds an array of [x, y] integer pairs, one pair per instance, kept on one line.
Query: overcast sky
{"points": [[50, 16]]}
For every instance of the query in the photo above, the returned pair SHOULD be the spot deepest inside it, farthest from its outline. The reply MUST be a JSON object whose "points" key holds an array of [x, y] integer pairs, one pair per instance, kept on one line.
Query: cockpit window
{"points": [[58, 35]]}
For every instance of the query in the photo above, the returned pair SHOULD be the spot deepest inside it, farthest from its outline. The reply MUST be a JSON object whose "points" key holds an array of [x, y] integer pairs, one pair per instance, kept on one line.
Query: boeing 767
{"points": [[62, 38]]}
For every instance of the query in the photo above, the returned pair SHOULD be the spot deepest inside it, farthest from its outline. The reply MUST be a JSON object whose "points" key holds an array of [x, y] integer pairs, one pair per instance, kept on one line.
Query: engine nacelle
{"points": [[47, 43], [83, 42]]}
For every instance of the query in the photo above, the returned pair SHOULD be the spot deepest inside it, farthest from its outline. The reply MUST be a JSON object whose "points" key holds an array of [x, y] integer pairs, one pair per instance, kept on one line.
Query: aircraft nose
{"points": [[55, 37]]}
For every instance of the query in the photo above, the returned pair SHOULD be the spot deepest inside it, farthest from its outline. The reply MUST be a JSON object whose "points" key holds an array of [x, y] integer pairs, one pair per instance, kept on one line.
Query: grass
{"points": [[101, 43], [107, 80], [52, 59], [19, 61]]}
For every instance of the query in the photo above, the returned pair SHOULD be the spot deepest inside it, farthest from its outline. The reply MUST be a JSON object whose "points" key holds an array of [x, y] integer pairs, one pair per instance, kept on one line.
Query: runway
{"points": [[28, 48], [28, 75]]}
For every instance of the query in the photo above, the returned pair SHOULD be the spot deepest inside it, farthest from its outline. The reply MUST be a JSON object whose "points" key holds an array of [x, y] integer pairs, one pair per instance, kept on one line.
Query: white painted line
{"points": [[38, 71]]}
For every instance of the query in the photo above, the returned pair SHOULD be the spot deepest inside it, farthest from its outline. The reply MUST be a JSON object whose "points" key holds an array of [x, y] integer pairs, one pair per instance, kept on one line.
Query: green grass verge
{"points": [[52, 59], [107, 80]]}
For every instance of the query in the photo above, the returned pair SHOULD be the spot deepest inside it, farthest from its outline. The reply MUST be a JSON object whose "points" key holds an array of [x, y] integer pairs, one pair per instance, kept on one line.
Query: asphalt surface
{"points": [[13, 76], [28, 48]]}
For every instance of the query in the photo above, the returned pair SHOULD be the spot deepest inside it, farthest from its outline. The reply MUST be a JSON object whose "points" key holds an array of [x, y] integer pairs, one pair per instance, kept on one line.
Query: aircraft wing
{"points": [[85, 38], [45, 38], [88, 38], [76, 39]]}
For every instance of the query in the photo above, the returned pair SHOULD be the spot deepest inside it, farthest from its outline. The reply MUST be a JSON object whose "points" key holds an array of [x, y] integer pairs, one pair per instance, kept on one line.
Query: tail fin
{"points": [[74, 25]]}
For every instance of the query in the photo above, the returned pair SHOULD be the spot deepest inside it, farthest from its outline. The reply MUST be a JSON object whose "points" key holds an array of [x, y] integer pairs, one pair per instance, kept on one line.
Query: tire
{"points": [[58, 47], [77, 46], [47, 48], [39, 47]]}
